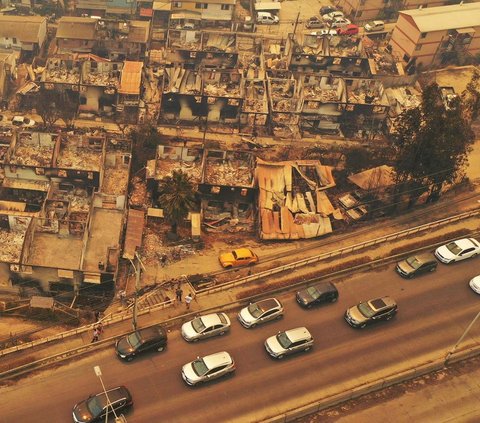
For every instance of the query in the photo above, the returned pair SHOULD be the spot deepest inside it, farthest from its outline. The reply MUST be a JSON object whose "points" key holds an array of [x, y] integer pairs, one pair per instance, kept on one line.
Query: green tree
{"points": [[471, 97], [176, 197], [431, 142]]}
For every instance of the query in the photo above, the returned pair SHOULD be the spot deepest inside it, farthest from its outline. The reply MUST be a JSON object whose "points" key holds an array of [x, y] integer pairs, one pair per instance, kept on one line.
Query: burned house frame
{"points": [[227, 190]]}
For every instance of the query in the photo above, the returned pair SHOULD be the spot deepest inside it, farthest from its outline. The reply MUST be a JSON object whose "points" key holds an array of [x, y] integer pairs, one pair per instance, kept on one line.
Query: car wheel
{"points": [[307, 349], [279, 317], [363, 325], [389, 317], [280, 356], [228, 266], [195, 340], [160, 348], [334, 300], [309, 306], [129, 358], [433, 269], [222, 333], [253, 325]]}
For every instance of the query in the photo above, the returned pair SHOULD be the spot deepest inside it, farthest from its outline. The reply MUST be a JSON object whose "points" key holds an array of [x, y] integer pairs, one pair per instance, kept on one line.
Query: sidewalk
{"points": [[218, 300]]}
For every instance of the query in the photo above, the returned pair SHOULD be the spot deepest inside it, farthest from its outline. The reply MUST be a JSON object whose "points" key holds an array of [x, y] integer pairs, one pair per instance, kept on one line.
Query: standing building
{"points": [[446, 34], [364, 10]]}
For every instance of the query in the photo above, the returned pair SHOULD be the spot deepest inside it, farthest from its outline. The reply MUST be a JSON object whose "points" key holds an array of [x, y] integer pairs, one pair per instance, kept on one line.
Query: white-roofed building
{"points": [[437, 35]]}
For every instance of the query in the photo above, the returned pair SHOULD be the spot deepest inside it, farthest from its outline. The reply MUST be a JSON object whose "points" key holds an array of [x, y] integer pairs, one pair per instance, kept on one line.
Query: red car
{"points": [[348, 30]]}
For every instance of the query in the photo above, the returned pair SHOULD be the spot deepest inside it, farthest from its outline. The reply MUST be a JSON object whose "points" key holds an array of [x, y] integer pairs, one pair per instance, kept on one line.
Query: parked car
{"points": [[323, 32], [239, 257], [23, 121], [416, 265], [267, 18], [315, 22], [260, 312], [374, 26], [335, 14], [95, 407], [208, 368], [289, 342], [325, 10], [205, 327], [475, 284], [460, 249], [317, 294], [339, 23], [367, 312], [148, 339], [351, 29]]}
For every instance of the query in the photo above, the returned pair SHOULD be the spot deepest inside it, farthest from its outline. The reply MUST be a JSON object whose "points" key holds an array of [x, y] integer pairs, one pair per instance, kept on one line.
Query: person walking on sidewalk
{"points": [[178, 294], [96, 334], [188, 300]]}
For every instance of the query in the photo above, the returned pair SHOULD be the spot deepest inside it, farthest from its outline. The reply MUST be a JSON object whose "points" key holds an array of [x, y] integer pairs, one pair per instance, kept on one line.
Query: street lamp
{"points": [[462, 337], [118, 419]]}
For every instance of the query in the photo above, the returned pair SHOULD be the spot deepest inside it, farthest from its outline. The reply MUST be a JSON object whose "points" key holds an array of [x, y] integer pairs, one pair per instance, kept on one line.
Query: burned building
{"points": [[292, 202], [227, 190], [254, 112], [71, 237], [322, 97]]}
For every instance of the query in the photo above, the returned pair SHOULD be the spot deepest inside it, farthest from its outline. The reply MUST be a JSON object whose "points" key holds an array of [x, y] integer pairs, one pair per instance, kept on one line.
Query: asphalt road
{"points": [[433, 311]]}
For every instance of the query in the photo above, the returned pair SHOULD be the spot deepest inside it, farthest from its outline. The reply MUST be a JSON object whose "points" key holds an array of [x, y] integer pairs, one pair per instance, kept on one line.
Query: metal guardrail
{"points": [[314, 259], [127, 314]]}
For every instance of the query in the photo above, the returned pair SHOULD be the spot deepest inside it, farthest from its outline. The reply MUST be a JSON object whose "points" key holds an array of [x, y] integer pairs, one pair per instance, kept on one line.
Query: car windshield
{"points": [[283, 340], [413, 262], [234, 254], [133, 339], [255, 310], [198, 325], [454, 248], [366, 309], [96, 404], [313, 292], [199, 367]]}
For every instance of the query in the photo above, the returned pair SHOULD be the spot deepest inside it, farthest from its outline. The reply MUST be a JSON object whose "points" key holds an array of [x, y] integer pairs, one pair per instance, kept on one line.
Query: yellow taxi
{"points": [[238, 257]]}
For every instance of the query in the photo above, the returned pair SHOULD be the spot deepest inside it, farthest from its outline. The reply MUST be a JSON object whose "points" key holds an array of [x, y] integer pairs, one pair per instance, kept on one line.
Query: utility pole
{"points": [[462, 337], [138, 270], [296, 23]]}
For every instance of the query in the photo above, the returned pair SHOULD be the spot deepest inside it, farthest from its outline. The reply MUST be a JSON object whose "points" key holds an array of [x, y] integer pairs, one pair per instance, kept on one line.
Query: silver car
{"points": [[205, 326], [207, 368], [289, 342], [260, 312]]}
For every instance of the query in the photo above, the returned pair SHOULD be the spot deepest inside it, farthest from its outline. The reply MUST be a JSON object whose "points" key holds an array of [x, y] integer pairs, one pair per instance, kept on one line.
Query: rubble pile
{"points": [[165, 167], [11, 242], [220, 43], [73, 156], [115, 181], [229, 172]]}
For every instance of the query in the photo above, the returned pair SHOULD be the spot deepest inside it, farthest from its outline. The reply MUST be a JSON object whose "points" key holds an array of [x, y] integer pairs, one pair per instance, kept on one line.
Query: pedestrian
{"points": [[178, 294], [99, 328], [96, 334], [163, 259], [188, 300]]}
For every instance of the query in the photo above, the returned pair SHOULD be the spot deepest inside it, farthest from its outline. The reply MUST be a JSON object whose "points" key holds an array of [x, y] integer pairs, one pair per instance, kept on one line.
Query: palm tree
{"points": [[176, 197]]}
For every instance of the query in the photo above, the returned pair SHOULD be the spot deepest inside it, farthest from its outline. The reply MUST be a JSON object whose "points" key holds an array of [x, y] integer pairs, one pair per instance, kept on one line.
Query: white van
{"points": [[267, 18]]}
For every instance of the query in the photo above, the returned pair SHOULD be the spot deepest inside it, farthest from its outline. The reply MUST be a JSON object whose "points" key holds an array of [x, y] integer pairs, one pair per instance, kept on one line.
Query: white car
{"points": [[336, 14], [322, 32], [460, 249], [23, 121], [289, 342], [260, 312], [374, 26], [205, 327], [207, 368], [475, 284], [339, 23]]}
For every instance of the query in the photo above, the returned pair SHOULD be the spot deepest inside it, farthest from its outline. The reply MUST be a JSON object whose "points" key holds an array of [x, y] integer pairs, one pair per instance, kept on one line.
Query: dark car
{"points": [[317, 294], [95, 407], [371, 311], [148, 339], [325, 10], [416, 265]]}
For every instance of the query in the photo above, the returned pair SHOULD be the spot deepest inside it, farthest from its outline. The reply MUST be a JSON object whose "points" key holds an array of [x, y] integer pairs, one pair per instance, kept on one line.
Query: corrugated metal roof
{"points": [[445, 17], [25, 28], [76, 28], [131, 78]]}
